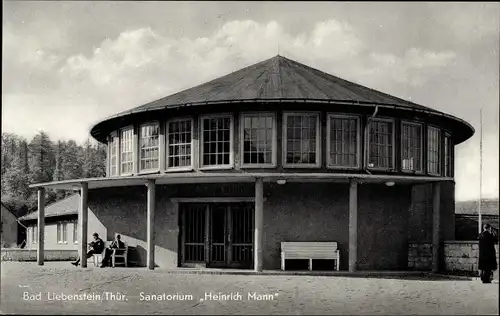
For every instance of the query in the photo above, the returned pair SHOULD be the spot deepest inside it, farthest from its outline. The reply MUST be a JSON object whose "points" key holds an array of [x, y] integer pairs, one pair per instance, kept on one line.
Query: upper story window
{"points": [[433, 151], [127, 151], [62, 233], [448, 154], [113, 155], [381, 153], [411, 146], [179, 143], [343, 141], [149, 146], [216, 140], [258, 133], [301, 140]]}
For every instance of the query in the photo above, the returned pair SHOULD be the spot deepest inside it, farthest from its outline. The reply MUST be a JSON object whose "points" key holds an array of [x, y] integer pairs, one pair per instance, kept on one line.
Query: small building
{"points": [[220, 174], [10, 228]]}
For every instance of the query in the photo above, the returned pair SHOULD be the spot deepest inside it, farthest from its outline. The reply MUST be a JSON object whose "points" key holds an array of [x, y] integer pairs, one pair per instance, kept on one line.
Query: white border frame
{"points": [[139, 127], [382, 119], [273, 163], [440, 150], [167, 123], [284, 139], [421, 171], [329, 116], [231, 142], [131, 127]]}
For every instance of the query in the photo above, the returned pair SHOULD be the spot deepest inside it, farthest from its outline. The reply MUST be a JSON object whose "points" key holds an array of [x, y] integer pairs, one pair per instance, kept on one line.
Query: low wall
{"points": [[30, 255]]}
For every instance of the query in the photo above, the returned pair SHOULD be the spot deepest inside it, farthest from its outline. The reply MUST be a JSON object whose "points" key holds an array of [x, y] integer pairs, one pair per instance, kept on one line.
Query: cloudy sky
{"points": [[68, 64]]}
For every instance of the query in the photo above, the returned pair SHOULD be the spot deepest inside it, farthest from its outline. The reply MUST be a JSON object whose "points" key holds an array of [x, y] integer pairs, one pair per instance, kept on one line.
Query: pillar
{"points": [[436, 209], [41, 226], [83, 218], [353, 225], [151, 185], [259, 224]]}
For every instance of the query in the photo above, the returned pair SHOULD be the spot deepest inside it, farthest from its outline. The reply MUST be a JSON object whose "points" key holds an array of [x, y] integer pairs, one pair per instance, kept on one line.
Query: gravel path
{"points": [[190, 293]]}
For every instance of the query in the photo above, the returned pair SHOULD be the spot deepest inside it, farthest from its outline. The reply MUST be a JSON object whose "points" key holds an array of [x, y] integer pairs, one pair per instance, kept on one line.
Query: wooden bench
{"points": [[117, 253], [310, 251]]}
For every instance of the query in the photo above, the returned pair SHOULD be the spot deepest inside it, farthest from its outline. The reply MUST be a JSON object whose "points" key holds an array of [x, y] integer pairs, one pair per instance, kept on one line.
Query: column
{"points": [[83, 218], [353, 225], [41, 226], [436, 209], [259, 224], [151, 185]]}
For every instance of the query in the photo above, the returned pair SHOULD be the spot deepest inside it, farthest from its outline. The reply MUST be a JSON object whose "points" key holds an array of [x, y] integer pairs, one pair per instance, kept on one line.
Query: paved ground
{"points": [[292, 295]]}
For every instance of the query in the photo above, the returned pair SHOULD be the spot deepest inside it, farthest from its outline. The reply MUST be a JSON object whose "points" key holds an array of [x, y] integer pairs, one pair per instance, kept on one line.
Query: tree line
{"points": [[43, 160]]}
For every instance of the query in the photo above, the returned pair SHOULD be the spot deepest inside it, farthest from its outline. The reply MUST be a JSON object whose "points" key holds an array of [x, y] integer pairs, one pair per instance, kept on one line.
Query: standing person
{"points": [[116, 244], [96, 247], [487, 253]]}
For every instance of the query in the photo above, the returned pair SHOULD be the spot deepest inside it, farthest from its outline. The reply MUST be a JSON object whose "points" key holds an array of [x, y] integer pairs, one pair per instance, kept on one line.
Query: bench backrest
{"points": [[309, 247], [108, 243]]}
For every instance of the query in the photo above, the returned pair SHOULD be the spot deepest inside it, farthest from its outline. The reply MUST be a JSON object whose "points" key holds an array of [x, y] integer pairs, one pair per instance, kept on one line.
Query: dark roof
{"points": [[67, 206], [275, 79], [488, 207]]}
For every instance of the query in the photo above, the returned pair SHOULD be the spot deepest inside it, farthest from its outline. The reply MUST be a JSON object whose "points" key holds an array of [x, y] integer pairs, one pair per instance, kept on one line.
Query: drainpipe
{"points": [[365, 147]]}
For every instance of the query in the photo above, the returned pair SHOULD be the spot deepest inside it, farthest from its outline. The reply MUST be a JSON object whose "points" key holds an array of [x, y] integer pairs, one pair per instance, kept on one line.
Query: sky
{"points": [[67, 65]]}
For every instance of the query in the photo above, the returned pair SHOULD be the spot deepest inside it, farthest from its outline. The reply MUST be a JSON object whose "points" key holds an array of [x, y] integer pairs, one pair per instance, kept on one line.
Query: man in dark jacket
{"points": [[96, 247], [487, 253], [116, 244]]}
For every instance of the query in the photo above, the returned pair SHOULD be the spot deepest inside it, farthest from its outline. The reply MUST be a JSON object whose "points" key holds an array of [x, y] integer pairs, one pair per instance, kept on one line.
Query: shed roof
{"points": [[66, 206]]}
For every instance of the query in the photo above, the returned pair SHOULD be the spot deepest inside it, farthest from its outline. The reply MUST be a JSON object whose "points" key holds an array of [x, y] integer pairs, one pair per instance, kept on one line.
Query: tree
{"points": [[42, 160], [71, 161]]}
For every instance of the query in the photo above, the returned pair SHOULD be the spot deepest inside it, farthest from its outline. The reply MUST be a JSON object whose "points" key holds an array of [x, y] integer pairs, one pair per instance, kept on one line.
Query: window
{"points": [[448, 154], [179, 142], [34, 234], [62, 230], [343, 141], [381, 153], [411, 146], [258, 133], [216, 141], [75, 232], [127, 151], [113, 154], [433, 150], [301, 139], [149, 144]]}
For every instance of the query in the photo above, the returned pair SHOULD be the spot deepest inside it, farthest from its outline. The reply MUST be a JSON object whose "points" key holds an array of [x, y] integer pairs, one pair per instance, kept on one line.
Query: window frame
{"points": [[450, 149], [139, 136], [440, 150], [63, 238], [231, 141], [284, 142], [118, 166], [329, 116], [274, 142], [167, 144], [129, 127], [422, 143], [369, 136]]}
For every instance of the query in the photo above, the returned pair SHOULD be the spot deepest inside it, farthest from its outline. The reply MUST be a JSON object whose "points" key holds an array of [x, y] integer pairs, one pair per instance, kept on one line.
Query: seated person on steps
{"points": [[97, 246], [116, 244]]}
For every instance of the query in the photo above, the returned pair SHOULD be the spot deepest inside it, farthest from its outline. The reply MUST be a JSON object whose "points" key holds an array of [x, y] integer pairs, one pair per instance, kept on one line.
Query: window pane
{"points": [[301, 138], [433, 150], [113, 160], [258, 139], [127, 154], [149, 146], [381, 144], [411, 147], [448, 150], [344, 141], [179, 143], [217, 140]]}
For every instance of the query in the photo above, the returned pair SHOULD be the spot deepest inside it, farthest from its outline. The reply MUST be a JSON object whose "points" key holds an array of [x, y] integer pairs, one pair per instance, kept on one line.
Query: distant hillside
{"points": [[488, 207]]}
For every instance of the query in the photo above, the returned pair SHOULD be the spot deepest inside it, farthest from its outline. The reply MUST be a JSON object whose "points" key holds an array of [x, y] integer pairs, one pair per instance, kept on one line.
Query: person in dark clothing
{"points": [[487, 253], [116, 244], [96, 247]]}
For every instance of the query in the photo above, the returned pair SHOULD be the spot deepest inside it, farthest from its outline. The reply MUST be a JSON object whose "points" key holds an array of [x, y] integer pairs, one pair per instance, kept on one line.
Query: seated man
{"points": [[116, 244], [96, 247]]}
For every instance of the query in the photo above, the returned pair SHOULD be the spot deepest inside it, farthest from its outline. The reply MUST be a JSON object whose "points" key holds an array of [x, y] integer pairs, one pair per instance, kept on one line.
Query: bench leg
{"points": [[310, 264]]}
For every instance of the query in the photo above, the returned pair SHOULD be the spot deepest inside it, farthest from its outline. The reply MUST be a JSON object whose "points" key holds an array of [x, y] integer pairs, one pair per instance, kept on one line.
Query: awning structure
{"points": [[236, 177]]}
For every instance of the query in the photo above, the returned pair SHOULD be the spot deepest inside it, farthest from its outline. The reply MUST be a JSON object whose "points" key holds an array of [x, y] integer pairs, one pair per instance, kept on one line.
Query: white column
{"points": [[259, 224], [83, 224], [151, 185], [436, 209], [41, 226], [353, 225]]}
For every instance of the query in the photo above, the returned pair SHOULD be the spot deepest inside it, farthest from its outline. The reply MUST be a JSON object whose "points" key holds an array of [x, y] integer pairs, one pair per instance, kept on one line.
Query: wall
{"points": [[9, 229], [31, 255]]}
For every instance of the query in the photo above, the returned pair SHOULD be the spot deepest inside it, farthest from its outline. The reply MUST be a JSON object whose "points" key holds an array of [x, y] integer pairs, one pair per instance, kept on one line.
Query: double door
{"points": [[217, 234]]}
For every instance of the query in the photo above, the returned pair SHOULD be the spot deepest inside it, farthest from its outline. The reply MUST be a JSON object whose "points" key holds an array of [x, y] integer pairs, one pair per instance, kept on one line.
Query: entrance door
{"points": [[217, 234]]}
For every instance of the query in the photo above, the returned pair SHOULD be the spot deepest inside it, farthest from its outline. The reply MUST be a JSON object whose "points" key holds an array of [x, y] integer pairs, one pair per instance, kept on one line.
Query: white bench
{"points": [[310, 251], [117, 253]]}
